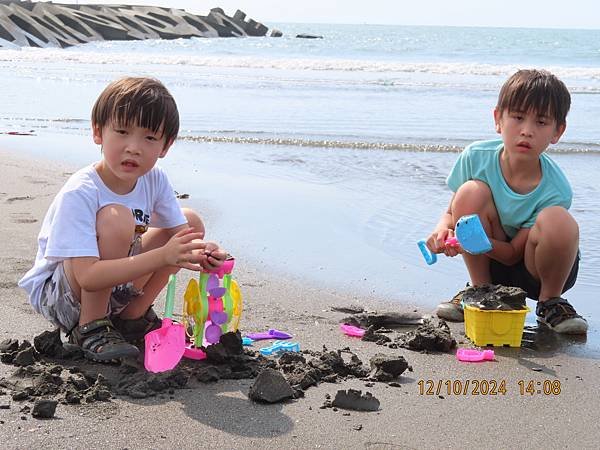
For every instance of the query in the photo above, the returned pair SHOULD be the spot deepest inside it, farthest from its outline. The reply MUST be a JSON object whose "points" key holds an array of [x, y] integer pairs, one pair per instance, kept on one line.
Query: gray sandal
{"points": [[100, 341]]}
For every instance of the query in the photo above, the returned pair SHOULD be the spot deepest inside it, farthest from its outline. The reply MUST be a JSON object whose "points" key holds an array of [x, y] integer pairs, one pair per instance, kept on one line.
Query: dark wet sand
{"points": [[220, 415]]}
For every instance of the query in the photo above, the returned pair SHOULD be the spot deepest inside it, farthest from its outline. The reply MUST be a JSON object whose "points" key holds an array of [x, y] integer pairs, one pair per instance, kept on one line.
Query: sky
{"points": [[502, 13]]}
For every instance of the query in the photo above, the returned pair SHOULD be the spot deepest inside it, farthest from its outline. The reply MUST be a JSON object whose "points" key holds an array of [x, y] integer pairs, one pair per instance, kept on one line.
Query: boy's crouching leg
{"points": [[115, 229], [475, 197], [551, 249], [115, 226], [550, 255], [96, 335]]}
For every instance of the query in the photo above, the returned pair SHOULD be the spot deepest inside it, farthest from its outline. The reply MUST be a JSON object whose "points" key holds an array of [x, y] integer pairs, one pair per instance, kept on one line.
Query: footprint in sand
{"points": [[14, 199], [34, 180], [22, 218]]}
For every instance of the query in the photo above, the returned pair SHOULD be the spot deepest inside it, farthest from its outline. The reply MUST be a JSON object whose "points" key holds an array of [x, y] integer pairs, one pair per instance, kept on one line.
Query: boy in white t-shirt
{"points": [[115, 231], [522, 198]]}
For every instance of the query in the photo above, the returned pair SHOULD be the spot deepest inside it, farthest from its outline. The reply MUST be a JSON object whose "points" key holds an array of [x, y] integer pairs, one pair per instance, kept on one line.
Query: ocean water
{"points": [[325, 159]]}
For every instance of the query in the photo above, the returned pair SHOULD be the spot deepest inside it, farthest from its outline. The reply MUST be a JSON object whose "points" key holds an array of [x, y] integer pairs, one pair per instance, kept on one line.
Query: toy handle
{"points": [[170, 302], [430, 258], [488, 355], [453, 241]]}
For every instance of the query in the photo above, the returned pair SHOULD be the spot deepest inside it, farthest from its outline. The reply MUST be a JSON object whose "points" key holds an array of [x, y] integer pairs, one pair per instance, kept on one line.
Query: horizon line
{"points": [[437, 25]]}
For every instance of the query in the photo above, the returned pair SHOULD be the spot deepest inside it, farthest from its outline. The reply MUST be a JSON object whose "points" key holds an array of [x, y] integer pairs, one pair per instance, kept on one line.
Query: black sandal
{"points": [[134, 330], [100, 341]]}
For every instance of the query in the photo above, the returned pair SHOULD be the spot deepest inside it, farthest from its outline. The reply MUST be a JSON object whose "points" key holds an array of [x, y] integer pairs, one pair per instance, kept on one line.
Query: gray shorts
{"points": [[61, 306]]}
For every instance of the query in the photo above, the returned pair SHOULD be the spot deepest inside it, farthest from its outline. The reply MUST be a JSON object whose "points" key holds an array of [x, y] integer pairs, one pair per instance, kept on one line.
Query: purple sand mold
{"points": [[271, 334]]}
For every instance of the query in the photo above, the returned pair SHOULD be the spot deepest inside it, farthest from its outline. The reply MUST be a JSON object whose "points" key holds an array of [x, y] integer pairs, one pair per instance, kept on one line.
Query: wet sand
{"points": [[220, 414]]}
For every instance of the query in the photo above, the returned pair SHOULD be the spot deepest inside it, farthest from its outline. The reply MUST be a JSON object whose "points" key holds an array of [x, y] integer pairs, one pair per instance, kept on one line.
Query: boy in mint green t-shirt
{"points": [[522, 198]]}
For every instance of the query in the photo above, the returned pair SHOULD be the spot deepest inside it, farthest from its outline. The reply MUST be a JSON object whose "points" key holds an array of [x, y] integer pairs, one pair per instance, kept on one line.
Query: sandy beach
{"points": [[220, 415]]}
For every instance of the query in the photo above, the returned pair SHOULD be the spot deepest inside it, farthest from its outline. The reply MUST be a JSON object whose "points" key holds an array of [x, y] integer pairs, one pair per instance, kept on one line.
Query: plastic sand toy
{"points": [[351, 330], [164, 347], [280, 347], [430, 258], [470, 235], [493, 327], [271, 334], [472, 355], [211, 307]]}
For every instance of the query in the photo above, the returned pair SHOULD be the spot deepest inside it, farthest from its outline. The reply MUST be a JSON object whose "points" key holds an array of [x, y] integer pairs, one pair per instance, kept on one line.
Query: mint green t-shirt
{"points": [[481, 161]]}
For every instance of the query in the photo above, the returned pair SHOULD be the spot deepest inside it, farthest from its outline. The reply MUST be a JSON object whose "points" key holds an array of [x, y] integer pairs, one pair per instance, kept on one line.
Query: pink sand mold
{"points": [[350, 330], [192, 352], [472, 355], [271, 334], [225, 269], [280, 347]]}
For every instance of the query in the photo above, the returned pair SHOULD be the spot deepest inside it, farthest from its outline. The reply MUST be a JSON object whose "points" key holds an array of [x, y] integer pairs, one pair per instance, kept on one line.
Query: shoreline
{"points": [[222, 412], [284, 212]]}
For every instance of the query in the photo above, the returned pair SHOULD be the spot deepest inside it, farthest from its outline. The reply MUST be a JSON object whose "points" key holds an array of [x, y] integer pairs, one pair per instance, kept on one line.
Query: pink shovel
{"points": [[165, 346]]}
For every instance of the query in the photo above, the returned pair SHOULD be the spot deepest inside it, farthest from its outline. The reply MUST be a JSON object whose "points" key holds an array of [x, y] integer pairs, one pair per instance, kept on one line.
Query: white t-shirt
{"points": [[69, 228]]}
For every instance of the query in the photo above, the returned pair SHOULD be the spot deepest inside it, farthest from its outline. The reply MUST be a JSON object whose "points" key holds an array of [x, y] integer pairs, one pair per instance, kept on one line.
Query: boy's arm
{"points": [[210, 257], [446, 222], [509, 253], [442, 231], [182, 250]]}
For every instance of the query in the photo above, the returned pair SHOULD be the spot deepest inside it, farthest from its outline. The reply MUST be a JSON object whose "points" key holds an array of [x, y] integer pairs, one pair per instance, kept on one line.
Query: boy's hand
{"points": [[212, 257], [185, 249], [436, 243]]}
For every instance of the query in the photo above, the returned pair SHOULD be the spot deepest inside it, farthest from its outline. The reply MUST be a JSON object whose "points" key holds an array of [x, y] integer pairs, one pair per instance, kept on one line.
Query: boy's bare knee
{"points": [[194, 220], [475, 188], [115, 222], [556, 223], [473, 194]]}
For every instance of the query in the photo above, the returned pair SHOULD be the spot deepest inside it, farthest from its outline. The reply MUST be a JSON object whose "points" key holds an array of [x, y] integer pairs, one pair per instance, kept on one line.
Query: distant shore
{"points": [[49, 24]]}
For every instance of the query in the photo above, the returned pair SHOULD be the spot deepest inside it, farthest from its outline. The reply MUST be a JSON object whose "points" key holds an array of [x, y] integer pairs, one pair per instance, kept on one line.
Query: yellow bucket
{"points": [[494, 328]]}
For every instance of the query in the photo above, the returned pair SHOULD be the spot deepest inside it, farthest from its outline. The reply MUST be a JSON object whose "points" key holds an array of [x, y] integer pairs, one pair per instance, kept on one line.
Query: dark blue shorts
{"points": [[518, 275]]}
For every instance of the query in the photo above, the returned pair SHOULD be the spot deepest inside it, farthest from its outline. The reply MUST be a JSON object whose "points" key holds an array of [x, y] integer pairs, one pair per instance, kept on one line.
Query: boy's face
{"points": [[128, 153], [527, 133]]}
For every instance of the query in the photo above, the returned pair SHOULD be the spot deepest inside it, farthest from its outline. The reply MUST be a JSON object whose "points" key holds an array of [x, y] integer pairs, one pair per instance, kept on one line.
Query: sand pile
{"points": [[46, 374]]}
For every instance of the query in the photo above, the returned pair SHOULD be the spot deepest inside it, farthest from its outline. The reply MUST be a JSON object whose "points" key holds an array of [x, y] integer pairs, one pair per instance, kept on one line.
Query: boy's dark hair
{"points": [[142, 102], [535, 90]]}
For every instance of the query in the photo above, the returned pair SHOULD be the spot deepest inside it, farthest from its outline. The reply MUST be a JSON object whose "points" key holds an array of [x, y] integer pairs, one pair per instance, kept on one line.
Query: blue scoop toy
{"points": [[469, 234], [279, 347]]}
